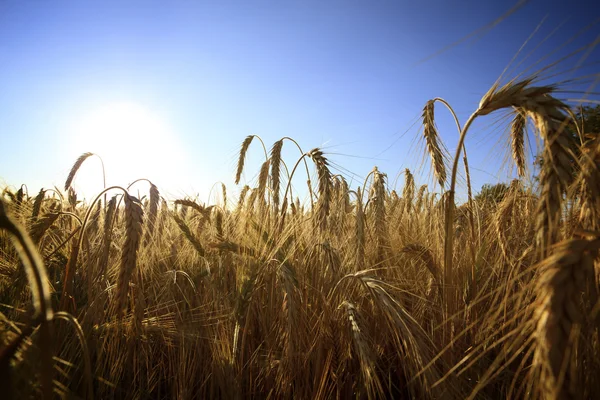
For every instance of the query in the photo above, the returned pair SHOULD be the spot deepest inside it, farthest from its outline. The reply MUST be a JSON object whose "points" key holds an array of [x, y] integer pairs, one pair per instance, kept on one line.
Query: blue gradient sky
{"points": [[348, 76]]}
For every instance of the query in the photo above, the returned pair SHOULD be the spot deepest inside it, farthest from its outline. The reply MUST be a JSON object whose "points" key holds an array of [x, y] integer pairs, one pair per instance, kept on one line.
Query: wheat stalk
{"points": [[37, 277]]}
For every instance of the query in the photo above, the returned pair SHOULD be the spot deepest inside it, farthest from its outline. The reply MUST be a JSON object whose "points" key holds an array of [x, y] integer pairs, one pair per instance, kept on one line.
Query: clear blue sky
{"points": [[350, 76]]}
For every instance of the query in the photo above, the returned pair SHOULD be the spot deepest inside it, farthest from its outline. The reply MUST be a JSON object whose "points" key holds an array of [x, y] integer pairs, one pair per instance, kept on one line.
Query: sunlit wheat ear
{"points": [[242, 198], [107, 234], [378, 193], [224, 193], [564, 279], [363, 350], [275, 172], [325, 186], [75, 168], [424, 255], [39, 228], [189, 235], [219, 225], [263, 178], [360, 231], [20, 196], [204, 211], [242, 158], [37, 204], [421, 197], [241, 309], [152, 211], [432, 140], [517, 141], [72, 197], [133, 233], [252, 201], [409, 190], [588, 184]]}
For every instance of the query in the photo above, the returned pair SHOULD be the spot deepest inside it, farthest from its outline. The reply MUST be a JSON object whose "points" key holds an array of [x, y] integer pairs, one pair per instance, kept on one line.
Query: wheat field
{"points": [[359, 292]]}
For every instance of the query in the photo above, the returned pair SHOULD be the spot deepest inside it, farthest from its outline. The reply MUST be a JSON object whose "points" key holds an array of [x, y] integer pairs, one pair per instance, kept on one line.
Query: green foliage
{"points": [[590, 118], [492, 193]]}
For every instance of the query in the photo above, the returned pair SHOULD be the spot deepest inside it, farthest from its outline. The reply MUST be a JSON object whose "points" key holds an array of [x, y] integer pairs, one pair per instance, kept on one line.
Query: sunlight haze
{"points": [[169, 90]]}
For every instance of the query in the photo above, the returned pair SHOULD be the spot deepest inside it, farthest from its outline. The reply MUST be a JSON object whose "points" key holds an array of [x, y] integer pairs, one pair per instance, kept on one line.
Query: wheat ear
{"points": [[432, 140], [275, 172], [564, 279], [133, 233], [517, 141], [242, 157], [75, 168], [325, 186]]}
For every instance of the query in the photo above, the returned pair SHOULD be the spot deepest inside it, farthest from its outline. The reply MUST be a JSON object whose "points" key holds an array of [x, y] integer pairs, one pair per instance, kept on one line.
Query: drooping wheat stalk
{"points": [[35, 270], [37, 278], [204, 211], [189, 235], [550, 119]]}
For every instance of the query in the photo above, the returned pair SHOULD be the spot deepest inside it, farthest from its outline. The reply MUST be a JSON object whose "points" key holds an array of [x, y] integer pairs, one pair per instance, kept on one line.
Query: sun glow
{"points": [[132, 142]]}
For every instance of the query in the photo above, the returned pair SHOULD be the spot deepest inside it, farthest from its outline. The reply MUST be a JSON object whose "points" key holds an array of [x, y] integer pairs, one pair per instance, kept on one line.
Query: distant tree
{"points": [[589, 118], [588, 121], [492, 193]]}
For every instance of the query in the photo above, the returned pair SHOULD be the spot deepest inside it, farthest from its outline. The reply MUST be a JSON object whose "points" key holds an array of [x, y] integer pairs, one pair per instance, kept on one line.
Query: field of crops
{"points": [[359, 292]]}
